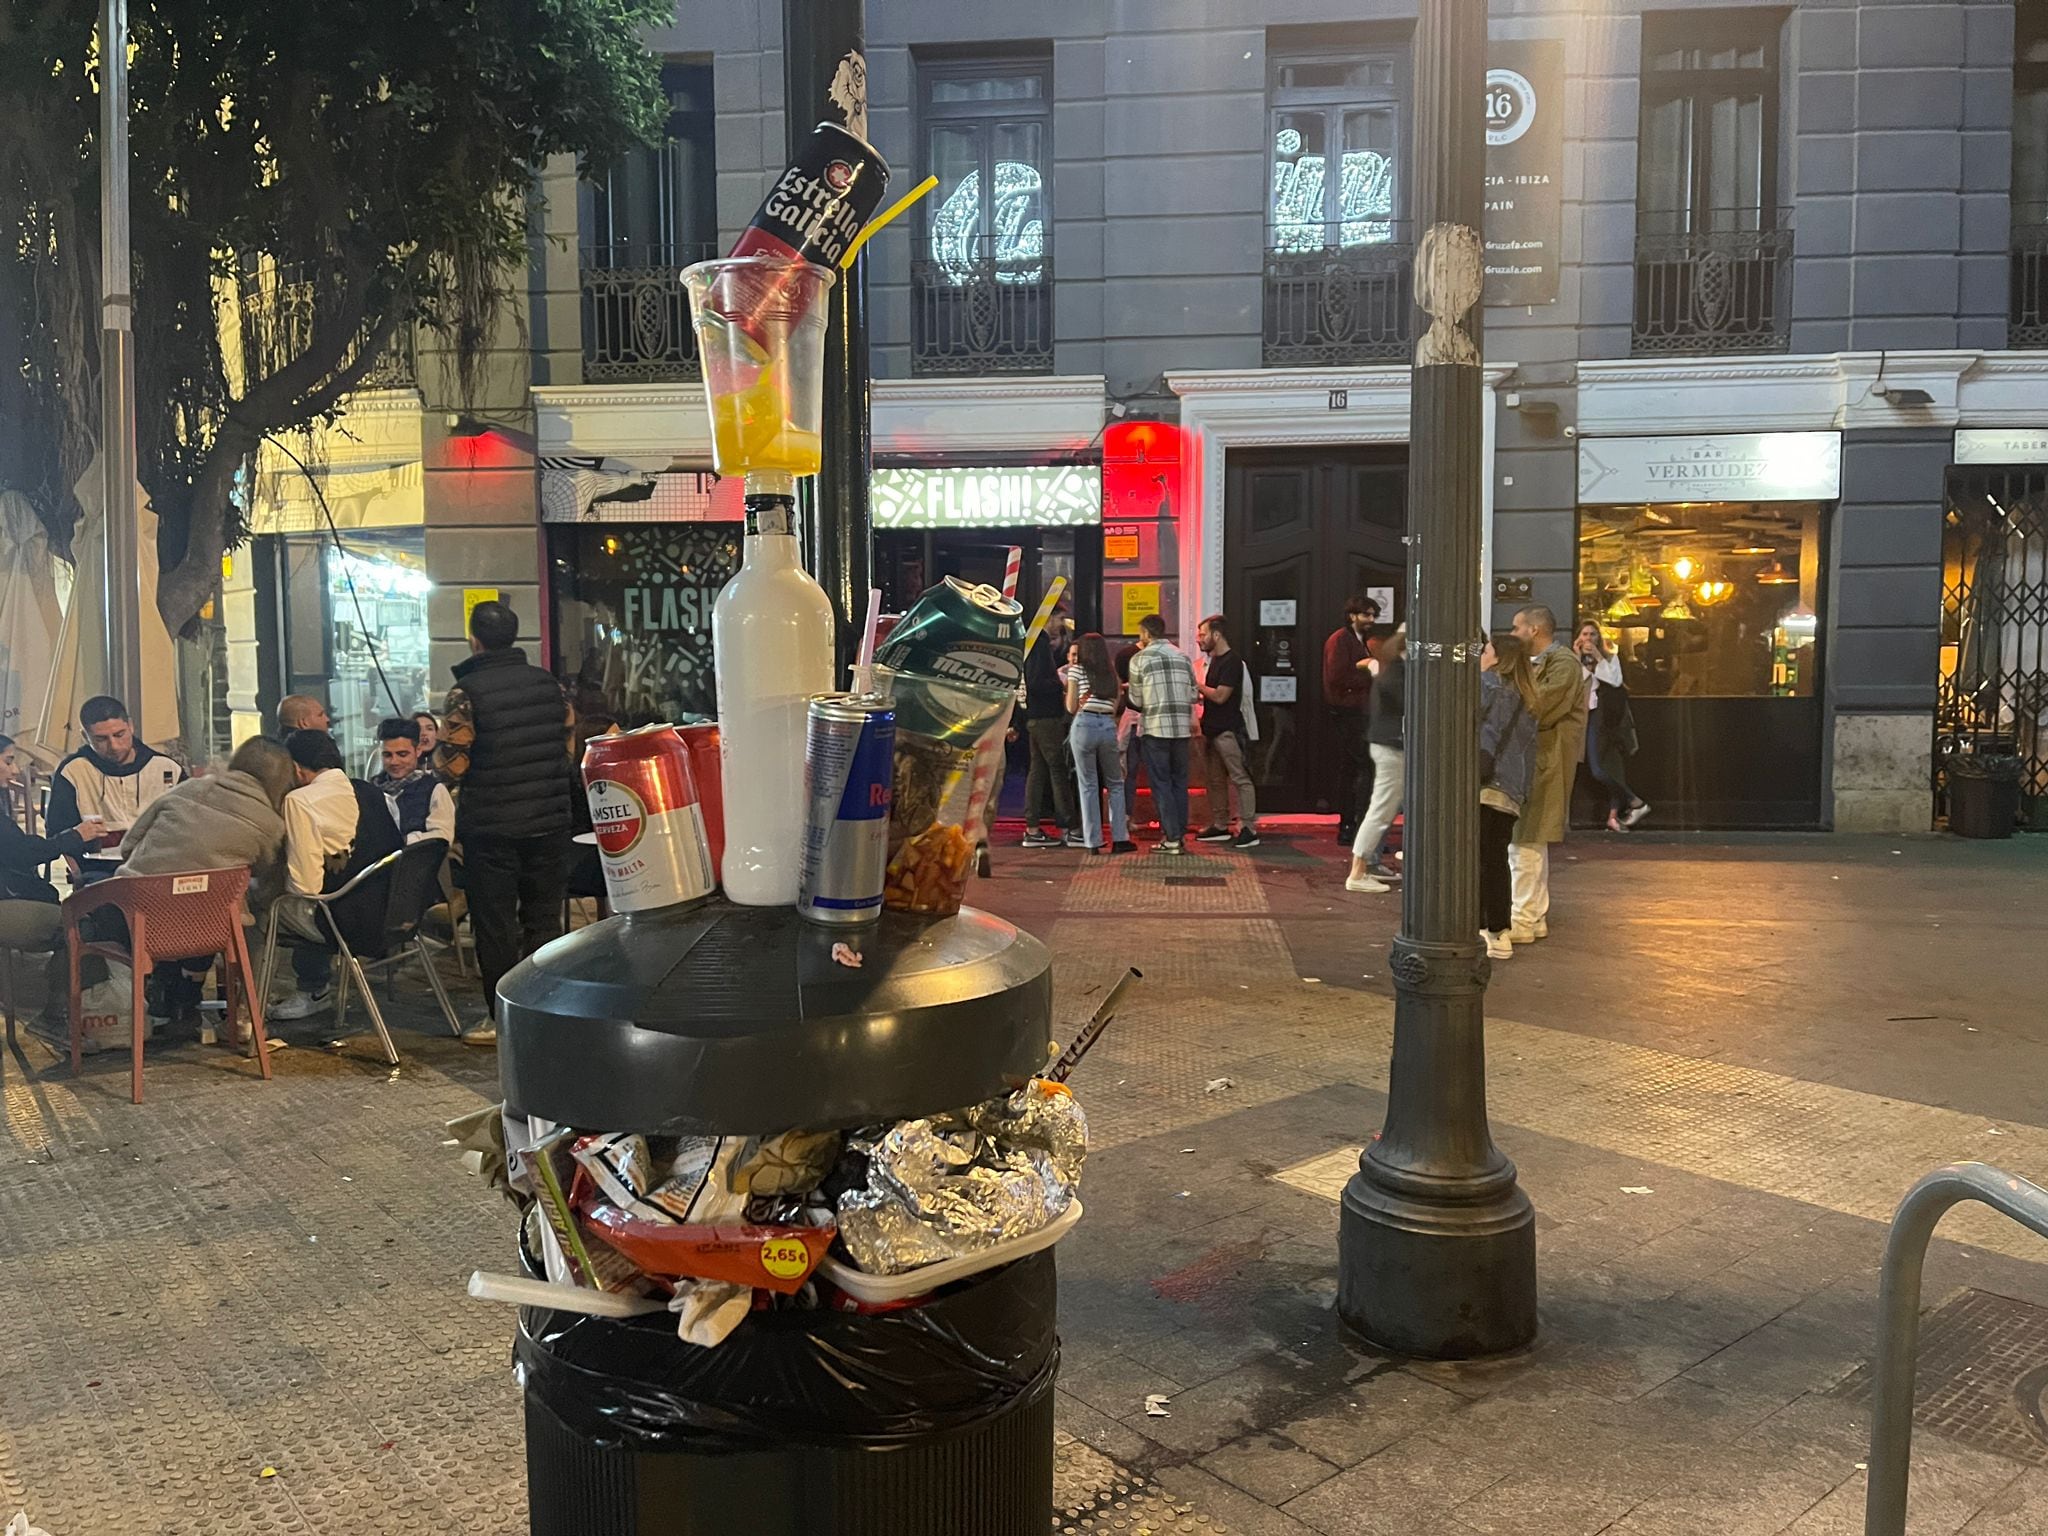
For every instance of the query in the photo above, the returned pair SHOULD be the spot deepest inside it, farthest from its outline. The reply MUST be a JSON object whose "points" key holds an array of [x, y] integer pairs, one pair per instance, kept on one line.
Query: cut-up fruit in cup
{"points": [[761, 344]]}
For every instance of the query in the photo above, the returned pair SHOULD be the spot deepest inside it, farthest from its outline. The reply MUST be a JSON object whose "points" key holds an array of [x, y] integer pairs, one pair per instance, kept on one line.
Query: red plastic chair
{"points": [[175, 917]]}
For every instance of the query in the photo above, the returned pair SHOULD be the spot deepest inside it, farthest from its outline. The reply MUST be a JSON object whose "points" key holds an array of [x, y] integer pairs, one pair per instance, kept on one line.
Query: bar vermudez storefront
{"points": [[1703, 559]]}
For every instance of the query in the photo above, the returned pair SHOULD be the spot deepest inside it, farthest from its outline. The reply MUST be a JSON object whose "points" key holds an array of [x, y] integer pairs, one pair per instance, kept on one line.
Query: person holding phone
{"points": [[1610, 728]]}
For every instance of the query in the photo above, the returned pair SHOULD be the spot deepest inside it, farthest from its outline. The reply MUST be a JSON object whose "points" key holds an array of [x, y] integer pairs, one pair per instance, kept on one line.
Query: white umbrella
{"points": [[79, 668], [30, 616]]}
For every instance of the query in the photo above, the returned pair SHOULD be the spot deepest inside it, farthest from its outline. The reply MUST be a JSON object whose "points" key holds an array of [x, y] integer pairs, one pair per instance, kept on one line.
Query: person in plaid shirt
{"points": [[1163, 692]]}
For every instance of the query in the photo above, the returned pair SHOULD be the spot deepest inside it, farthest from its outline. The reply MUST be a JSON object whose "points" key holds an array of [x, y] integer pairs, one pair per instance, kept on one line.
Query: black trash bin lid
{"points": [[719, 1019]]}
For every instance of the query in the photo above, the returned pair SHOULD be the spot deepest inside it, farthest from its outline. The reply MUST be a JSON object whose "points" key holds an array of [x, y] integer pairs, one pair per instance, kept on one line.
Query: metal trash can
{"points": [[1983, 794], [935, 1419]]}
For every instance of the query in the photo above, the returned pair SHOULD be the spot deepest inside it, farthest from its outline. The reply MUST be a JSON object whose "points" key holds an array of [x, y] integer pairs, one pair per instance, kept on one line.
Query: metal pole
{"points": [[1898, 1319], [824, 76], [120, 566], [1436, 1245]]}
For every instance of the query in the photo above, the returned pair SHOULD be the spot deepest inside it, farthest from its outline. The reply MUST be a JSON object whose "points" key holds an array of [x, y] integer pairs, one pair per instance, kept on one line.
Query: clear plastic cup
{"points": [[761, 342]]}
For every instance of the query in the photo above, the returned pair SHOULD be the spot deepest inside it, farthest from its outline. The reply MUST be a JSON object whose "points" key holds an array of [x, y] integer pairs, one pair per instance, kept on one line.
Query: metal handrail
{"points": [[1898, 1318]]}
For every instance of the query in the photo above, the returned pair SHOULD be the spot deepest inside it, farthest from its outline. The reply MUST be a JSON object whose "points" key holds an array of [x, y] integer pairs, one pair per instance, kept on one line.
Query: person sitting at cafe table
{"points": [[231, 819], [112, 778], [29, 915], [419, 802], [334, 828]]}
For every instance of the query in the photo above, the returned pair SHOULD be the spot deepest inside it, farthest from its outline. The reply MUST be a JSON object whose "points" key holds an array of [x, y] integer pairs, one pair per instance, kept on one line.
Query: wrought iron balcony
{"points": [[982, 310], [281, 315], [2028, 325], [1716, 282], [1339, 304], [636, 317]]}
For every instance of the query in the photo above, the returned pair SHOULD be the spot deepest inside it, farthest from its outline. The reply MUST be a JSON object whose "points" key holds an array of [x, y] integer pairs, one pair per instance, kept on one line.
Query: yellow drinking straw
{"points": [[901, 203], [1052, 597]]}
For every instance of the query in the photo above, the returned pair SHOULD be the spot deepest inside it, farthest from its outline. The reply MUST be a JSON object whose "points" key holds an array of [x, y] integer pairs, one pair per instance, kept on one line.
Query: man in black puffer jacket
{"points": [[505, 745]]}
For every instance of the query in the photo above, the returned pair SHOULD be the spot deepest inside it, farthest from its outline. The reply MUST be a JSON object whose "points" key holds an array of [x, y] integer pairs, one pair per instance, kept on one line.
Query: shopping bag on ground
{"points": [[107, 1009]]}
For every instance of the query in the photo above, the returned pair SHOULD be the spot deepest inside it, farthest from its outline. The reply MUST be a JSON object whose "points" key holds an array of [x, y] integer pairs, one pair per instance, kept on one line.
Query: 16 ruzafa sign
{"points": [[1029, 495], [1524, 221], [1737, 466]]}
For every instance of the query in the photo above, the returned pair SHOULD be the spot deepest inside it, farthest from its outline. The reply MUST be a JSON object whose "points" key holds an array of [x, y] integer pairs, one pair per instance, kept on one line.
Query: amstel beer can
{"points": [[643, 809], [849, 768]]}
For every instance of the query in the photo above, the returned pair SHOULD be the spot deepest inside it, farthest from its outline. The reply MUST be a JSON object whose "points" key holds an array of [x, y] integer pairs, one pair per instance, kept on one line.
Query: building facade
{"points": [[1766, 311]]}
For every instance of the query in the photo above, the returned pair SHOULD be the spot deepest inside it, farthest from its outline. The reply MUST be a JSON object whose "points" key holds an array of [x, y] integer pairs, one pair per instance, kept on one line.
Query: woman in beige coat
{"points": [[1555, 691]]}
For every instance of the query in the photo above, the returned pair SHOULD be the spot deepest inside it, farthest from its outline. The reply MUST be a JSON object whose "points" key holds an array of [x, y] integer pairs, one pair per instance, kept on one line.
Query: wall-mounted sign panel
{"points": [[1030, 495], [1742, 466], [2001, 445]]}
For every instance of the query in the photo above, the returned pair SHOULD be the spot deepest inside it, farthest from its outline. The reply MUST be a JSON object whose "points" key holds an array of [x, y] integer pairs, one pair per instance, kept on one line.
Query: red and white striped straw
{"points": [[1013, 567]]}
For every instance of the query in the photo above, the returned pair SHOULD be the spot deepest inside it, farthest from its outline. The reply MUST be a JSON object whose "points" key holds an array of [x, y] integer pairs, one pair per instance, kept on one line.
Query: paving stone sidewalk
{"points": [[237, 1276]]}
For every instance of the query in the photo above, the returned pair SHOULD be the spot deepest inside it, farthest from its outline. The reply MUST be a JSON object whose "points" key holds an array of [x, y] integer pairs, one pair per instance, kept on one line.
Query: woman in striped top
{"points": [[1091, 699]]}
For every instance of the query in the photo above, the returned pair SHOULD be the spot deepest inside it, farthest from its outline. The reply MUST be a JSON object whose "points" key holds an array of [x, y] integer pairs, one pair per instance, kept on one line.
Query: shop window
{"points": [[982, 272], [1701, 601], [632, 615]]}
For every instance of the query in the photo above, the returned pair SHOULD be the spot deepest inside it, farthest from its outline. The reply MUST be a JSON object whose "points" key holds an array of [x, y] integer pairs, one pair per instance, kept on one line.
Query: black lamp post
{"points": [[824, 77], [1436, 1244]]}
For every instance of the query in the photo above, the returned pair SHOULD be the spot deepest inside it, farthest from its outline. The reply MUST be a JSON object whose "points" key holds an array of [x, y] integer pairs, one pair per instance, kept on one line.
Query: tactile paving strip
{"points": [[1133, 1509]]}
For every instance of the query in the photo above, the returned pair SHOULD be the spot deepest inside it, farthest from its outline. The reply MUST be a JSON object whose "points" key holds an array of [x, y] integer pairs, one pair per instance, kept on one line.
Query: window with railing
{"points": [[642, 221], [1713, 248], [981, 266], [1338, 261], [2029, 281]]}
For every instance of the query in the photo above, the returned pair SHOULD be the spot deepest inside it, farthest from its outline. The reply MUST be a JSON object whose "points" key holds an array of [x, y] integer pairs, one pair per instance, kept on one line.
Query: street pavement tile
{"points": [[1268, 1466], [1368, 1415], [2007, 1504], [1240, 1513], [1101, 1432], [1109, 1381], [1824, 1436], [1789, 1355], [1725, 1496], [1267, 1390], [1399, 1491], [1563, 1501], [2014, 1511]]}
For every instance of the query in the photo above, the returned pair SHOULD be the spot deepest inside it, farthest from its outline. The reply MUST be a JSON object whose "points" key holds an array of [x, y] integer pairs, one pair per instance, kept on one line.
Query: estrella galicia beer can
{"points": [[849, 768], [820, 202], [644, 812]]}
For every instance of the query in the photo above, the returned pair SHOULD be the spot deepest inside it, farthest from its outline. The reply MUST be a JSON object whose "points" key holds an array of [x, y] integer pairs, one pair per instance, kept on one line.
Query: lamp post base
{"points": [[1446, 1275]]}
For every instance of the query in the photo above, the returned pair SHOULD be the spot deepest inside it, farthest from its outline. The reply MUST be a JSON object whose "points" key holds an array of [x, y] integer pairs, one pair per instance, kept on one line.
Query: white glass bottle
{"points": [[771, 642]]}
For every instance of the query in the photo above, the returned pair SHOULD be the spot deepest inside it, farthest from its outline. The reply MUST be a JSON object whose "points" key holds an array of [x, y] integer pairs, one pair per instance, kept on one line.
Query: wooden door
{"points": [[1303, 531]]}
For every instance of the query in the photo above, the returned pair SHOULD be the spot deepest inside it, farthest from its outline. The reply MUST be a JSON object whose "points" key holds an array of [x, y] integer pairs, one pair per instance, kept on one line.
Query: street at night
{"points": [[1716, 1078]]}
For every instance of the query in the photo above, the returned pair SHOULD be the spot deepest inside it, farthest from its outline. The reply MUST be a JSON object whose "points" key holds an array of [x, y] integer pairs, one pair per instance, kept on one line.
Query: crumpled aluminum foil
{"points": [[951, 1185]]}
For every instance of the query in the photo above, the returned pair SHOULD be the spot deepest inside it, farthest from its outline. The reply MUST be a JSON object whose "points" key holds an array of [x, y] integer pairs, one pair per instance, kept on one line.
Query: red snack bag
{"points": [[771, 1258]]}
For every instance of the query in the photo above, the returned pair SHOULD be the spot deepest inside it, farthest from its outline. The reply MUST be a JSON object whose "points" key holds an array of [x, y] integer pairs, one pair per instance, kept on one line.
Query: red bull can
{"points": [[849, 770]]}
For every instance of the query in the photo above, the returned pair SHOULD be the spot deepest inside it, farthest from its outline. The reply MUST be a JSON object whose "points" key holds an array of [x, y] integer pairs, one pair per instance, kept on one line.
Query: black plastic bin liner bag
{"points": [[965, 1355]]}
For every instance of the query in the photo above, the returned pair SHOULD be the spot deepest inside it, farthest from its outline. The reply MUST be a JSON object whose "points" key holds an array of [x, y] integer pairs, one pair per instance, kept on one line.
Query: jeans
{"points": [[516, 886], [1496, 890], [313, 969], [1605, 760], [1166, 765], [1048, 778], [1099, 766], [1388, 764], [1224, 757]]}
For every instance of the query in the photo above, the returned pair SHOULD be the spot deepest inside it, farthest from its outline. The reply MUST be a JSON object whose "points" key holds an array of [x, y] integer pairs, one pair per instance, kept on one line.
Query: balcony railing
{"points": [[636, 317], [1339, 304], [982, 310], [281, 316], [2028, 326], [1723, 284]]}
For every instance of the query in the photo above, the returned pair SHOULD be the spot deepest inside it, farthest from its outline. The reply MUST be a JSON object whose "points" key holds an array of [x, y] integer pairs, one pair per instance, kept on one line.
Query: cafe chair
{"points": [[382, 928], [170, 917]]}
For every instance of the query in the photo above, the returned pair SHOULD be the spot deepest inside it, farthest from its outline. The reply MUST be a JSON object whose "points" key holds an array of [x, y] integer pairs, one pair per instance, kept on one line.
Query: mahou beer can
{"points": [[849, 766], [821, 202], [961, 632], [643, 809]]}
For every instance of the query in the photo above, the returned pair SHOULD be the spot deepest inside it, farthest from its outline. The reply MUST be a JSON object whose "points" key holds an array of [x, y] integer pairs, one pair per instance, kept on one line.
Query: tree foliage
{"points": [[320, 174]]}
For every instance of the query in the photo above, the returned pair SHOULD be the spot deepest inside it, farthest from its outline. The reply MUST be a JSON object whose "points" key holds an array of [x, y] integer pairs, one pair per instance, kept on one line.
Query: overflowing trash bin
{"points": [[815, 1176]]}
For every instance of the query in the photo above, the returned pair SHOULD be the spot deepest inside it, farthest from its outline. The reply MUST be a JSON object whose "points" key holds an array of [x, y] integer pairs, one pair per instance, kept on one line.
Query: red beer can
{"points": [[644, 812], [701, 741]]}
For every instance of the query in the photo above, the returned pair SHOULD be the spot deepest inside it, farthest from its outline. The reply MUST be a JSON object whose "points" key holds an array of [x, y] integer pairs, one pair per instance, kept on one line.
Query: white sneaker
{"points": [[1542, 928], [1522, 935], [1636, 815], [302, 1005], [1367, 884], [481, 1035], [1498, 946]]}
